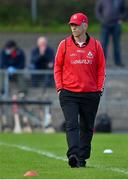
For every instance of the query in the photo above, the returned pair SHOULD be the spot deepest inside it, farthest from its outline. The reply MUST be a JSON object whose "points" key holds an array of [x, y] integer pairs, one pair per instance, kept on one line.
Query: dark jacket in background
{"points": [[109, 12], [16, 59], [41, 61]]}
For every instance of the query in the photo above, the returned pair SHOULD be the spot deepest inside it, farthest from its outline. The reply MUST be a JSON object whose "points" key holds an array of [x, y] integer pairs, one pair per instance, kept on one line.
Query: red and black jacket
{"points": [[80, 69]]}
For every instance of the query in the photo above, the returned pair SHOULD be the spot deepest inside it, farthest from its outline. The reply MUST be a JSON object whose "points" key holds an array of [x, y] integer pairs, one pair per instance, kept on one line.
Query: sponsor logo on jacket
{"points": [[81, 61], [80, 51], [90, 55], [72, 55]]}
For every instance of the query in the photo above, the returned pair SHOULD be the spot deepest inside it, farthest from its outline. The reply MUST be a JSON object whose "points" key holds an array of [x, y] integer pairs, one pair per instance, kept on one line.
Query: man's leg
{"points": [[105, 32], [88, 110], [70, 111], [116, 34]]}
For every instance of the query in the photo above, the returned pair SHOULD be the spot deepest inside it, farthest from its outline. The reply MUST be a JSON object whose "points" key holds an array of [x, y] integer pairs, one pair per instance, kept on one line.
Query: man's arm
{"points": [[101, 67], [21, 60], [123, 11], [2, 60], [51, 58], [98, 10], [35, 56], [58, 67]]}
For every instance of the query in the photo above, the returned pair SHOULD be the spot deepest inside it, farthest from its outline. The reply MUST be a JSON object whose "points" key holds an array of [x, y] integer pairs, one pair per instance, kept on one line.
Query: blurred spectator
{"points": [[42, 58], [12, 60], [12, 57], [110, 13]]}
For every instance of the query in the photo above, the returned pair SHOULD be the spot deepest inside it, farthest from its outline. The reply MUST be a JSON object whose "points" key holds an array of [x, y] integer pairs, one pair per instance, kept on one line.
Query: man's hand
{"points": [[58, 92], [50, 65], [100, 93], [11, 70], [120, 21]]}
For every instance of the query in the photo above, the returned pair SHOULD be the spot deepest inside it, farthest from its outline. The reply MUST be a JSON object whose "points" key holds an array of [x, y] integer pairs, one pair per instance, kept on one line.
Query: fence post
{"points": [[6, 85], [47, 116], [34, 10]]}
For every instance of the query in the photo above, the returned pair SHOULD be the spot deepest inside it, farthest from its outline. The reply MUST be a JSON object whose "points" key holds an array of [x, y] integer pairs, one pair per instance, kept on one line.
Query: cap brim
{"points": [[75, 22]]}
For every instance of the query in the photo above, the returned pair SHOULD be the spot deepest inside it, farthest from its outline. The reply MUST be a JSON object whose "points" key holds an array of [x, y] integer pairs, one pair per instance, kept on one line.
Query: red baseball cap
{"points": [[78, 19]]}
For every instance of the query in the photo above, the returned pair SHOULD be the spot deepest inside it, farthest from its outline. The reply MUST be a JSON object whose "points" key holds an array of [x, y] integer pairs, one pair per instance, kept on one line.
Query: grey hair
{"points": [[84, 25], [41, 40]]}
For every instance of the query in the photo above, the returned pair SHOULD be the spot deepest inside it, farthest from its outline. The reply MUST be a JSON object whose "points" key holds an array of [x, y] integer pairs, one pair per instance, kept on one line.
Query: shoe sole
{"points": [[73, 162], [82, 165]]}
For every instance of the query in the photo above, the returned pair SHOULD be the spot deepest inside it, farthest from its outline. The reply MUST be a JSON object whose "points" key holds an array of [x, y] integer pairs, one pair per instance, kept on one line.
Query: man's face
{"points": [[42, 45], [9, 50], [77, 30]]}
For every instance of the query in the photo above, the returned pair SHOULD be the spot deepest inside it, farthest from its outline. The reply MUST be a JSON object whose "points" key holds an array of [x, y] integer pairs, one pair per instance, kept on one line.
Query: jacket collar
{"points": [[86, 42]]}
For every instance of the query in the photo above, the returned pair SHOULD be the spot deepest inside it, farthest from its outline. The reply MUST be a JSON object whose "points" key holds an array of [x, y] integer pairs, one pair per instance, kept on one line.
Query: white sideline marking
{"points": [[123, 171], [37, 151], [51, 155]]}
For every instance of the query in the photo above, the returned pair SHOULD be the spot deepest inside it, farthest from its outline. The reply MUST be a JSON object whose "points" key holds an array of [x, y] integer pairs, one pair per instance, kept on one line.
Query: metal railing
{"points": [[115, 98], [38, 86], [17, 95]]}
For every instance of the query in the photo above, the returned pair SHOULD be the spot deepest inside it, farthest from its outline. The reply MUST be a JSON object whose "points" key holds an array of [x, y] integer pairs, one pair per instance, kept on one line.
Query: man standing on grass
{"points": [[79, 73]]}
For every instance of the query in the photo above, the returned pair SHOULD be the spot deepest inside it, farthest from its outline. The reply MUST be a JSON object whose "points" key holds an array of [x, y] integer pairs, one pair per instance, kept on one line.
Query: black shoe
{"points": [[82, 164], [120, 65], [73, 161]]}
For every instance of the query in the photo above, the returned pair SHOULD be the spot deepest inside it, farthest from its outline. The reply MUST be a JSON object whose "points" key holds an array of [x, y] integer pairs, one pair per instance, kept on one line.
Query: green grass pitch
{"points": [[45, 153]]}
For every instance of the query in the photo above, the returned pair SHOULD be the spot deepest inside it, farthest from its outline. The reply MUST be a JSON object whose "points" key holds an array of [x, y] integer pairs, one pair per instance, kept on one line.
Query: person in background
{"points": [[110, 13], [79, 73], [12, 59], [42, 58]]}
